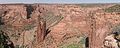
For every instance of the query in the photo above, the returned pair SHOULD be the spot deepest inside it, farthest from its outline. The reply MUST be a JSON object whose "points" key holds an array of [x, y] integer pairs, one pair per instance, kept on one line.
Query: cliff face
{"points": [[62, 23]]}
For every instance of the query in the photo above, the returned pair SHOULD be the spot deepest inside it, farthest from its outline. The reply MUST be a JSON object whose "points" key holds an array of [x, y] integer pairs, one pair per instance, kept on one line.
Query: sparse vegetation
{"points": [[91, 5], [115, 8], [28, 27], [22, 46], [74, 42], [116, 28], [4, 39], [73, 46]]}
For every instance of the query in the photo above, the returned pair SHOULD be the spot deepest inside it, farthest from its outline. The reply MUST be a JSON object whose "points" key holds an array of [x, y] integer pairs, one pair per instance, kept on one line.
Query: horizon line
{"points": [[59, 3]]}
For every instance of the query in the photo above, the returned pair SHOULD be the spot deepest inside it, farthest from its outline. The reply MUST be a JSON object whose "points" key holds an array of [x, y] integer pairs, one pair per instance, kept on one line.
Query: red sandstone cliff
{"points": [[89, 21]]}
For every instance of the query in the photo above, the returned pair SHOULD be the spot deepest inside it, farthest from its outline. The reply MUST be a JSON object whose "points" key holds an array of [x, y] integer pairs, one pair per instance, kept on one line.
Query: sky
{"points": [[59, 1]]}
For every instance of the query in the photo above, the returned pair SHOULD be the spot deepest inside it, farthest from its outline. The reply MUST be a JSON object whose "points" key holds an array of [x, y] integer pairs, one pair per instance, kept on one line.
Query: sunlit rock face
{"points": [[110, 42], [21, 30], [75, 21]]}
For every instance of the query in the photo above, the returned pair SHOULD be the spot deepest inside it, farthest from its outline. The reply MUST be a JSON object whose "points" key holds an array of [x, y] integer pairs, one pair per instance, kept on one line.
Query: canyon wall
{"points": [[49, 25]]}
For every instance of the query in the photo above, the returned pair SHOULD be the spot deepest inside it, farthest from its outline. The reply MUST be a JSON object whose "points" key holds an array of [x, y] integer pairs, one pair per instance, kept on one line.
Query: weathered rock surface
{"points": [[77, 21]]}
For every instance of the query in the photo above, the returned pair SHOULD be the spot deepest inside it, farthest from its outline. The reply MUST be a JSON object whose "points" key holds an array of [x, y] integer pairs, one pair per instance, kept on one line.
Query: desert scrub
{"points": [[115, 8], [73, 42], [22, 46], [90, 5], [73, 46], [82, 40], [116, 28], [28, 27], [4, 39]]}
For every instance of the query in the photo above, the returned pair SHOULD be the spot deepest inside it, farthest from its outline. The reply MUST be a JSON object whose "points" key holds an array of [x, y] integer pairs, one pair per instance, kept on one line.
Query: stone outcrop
{"points": [[27, 24]]}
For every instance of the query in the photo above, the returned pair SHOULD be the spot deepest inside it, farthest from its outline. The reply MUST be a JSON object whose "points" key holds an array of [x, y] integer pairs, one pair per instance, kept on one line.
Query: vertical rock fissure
{"points": [[92, 37]]}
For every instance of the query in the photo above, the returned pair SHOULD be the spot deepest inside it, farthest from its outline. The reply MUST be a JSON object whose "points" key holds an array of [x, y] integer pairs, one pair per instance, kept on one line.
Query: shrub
{"points": [[90, 5], [73, 46], [28, 27], [116, 28], [115, 8], [3, 40]]}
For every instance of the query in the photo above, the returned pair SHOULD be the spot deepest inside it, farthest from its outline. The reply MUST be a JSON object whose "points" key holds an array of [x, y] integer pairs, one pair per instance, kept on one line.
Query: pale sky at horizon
{"points": [[59, 1]]}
